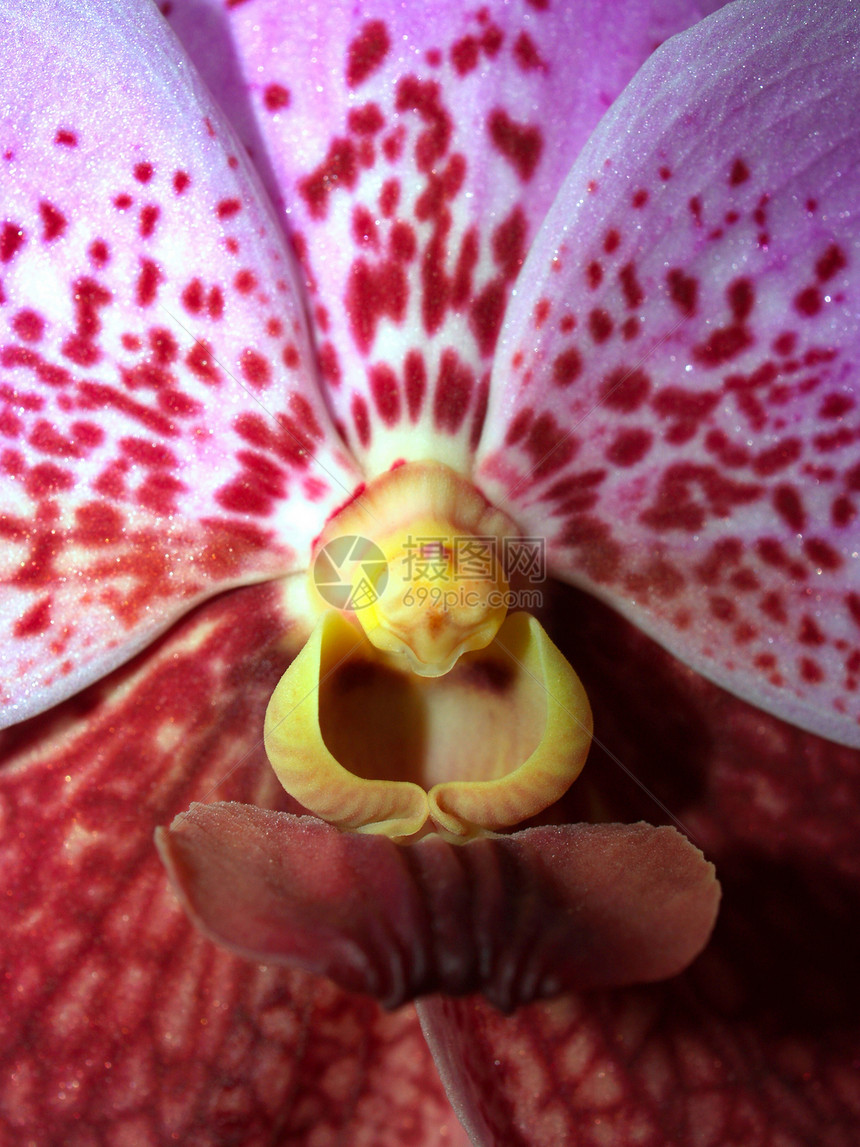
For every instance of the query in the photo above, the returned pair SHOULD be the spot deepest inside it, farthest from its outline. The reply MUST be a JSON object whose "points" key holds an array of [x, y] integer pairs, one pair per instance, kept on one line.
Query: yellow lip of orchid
{"points": [[488, 745]]}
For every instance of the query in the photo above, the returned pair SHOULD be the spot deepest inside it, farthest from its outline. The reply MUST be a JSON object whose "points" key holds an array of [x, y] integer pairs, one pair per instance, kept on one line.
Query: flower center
{"points": [[421, 557], [417, 705]]}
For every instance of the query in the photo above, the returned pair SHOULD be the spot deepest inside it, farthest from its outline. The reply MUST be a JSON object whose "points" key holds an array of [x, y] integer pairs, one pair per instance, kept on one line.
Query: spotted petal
{"points": [[675, 403], [121, 1023], [415, 148], [160, 432], [757, 1043]]}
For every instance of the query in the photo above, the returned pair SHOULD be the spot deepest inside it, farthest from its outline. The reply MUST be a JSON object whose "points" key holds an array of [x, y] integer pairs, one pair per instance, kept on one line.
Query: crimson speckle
{"points": [[629, 447], [683, 290], [367, 52], [54, 222], [255, 368], [526, 54], [11, 239], [822, 554], [486, 314], [633, 293], [148, 219], [600, 325], [227, 208], [835, 405], [464, 55], [541, 312], [276, 97], [200, 362], [594, 275], [143, 172], [549, 445], [122, 202], [611, 241], [374, 292], [415, 379], [389, 197], [36, 620], [290, 357], [361, 420], [99, 252], [808, 302], [788, 505], [330, 364], [28, 325], [567, 367], [148, 280], [181, 181], [66, 138], [366, 120], [639, 197], [245, 281], [625, 390], [385, 394], [739, 173], [831, 262], [520, 144], [453, 391], [339, 167], [778, 457]]}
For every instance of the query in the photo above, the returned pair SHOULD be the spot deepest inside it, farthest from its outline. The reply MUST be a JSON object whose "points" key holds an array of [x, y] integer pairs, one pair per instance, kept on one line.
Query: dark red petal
{"points": [[758, 1043], [517, 918], [121, 1025]]}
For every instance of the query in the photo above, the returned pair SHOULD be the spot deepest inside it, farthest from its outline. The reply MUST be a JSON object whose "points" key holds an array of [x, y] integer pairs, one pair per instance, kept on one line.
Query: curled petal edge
{"points": [[517, 918]]}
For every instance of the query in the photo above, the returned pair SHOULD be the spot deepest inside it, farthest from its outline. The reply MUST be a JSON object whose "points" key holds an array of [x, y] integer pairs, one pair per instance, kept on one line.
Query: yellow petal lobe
{"points": [[368, 745]]}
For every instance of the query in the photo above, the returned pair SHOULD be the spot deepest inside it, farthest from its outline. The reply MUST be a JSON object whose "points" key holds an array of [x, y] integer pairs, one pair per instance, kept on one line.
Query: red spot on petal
{"points": [[385, 393], [11, 239], [521, 144], [275, 97], [143, 172], [340, 167], [739, 173], [255, 368], [367, 52], [567, 367], [54, 222], [66, 138]]}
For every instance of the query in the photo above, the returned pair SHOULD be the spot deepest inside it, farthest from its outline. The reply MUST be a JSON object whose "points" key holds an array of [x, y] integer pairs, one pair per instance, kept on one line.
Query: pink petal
{"points": [[518, 918], [121, 1023], [160, 432], [675, 402], [416, 149], [758, 1042]]}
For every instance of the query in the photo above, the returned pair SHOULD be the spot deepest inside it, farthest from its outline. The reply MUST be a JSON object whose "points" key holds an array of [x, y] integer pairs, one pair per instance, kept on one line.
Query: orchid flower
{"points": [[517, 272]]}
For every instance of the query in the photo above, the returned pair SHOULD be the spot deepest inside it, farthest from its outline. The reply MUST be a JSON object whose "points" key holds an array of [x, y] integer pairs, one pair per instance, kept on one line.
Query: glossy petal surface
{"points": [[755, 1045], [160, 432], [121, 1023], [415, 149], [676, 401]]}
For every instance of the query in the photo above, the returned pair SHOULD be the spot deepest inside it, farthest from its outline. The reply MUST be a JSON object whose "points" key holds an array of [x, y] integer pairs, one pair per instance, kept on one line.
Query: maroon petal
{"points": [[518, 918], [758, 1043], [121, 1025]]}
